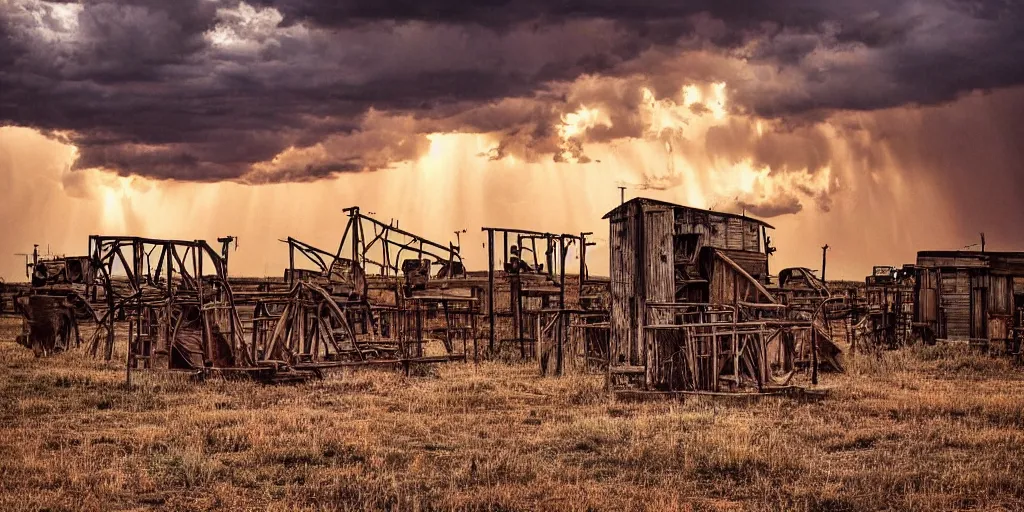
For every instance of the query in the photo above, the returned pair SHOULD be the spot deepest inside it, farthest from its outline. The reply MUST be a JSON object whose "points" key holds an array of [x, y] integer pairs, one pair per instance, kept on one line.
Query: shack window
{"points": [[686, 246], [751, 237]]}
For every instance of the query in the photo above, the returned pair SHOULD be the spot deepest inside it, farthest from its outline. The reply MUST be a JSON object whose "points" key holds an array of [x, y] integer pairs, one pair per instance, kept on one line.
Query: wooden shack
{"points": [[675, 269], [969, 295]]}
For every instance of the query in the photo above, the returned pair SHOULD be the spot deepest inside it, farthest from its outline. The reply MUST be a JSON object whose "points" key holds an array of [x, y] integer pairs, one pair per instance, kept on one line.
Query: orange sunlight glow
{"points": [[455, 186]]}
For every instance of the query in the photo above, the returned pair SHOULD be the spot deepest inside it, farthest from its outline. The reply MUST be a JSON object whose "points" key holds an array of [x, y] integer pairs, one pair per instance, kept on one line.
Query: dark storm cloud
{"points": [[782, 204], [505, 13], [201, 90]]}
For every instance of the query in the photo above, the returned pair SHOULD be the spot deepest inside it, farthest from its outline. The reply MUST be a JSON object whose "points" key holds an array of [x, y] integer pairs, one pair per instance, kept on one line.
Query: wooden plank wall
{"points": [[658, 263], [623, 244], [927, 298], [955, 301], [657, 255], [999, 318], [733, 233], [755, 263], [968, 296], [728, 286], [720, 231], [979, 305]]}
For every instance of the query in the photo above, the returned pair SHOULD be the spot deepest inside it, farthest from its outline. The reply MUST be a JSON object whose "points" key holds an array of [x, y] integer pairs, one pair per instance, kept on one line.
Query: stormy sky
{"points": [[820, 115]]}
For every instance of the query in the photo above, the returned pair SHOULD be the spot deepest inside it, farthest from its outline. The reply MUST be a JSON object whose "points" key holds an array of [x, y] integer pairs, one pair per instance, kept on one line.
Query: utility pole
{"points": [[824, 250], [622, 195], [983, 241]]}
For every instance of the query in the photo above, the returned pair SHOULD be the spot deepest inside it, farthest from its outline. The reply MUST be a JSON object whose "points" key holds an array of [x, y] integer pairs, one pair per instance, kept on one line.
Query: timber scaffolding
{"points": [[884, 315], [385, 297], [182, 312], [534, 312], [417, 307], [179, 308]]}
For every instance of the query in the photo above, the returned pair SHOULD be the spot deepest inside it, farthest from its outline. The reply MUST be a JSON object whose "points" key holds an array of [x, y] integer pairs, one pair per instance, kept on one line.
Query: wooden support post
{"points": [[537, 354], [759, 375], [490, 285], [814, 354], [583, 260], [197, 266], [449, 346], [128, 359], [735, 350], [583, 264], [354, 216], [561, 331], [139, 251], [824, 250], [516, 303], [533, 249], [549, 258], [473, 331], [302, 341], [419, 329], [170, 300], [108, 290]]}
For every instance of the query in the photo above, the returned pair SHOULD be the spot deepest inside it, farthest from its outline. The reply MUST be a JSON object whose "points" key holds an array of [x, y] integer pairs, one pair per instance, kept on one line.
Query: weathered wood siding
{"points": [[1000, 307], [718, 230], [722, 288], [658, 263], [927, 298], [755, 263], [1000, 295], [955, 301], [969, 294], [623, 244], [734, 233], [657, 255], [979, 305], [727, 285]]}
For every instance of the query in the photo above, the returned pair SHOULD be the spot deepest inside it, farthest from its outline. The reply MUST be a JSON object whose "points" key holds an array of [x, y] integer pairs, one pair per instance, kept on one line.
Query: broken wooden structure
{"points": [[534, 311], [971, 296], [416, 304], [690, 309], [887, 309], [800, 288], [174, 300]]}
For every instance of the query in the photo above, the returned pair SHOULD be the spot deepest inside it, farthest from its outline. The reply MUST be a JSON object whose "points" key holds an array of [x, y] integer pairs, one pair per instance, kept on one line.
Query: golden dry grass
{"points": [[920, 429]]}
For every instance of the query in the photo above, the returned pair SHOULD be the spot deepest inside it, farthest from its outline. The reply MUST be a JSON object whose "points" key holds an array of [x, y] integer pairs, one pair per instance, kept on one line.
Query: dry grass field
{"points": [[921, 429]]}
